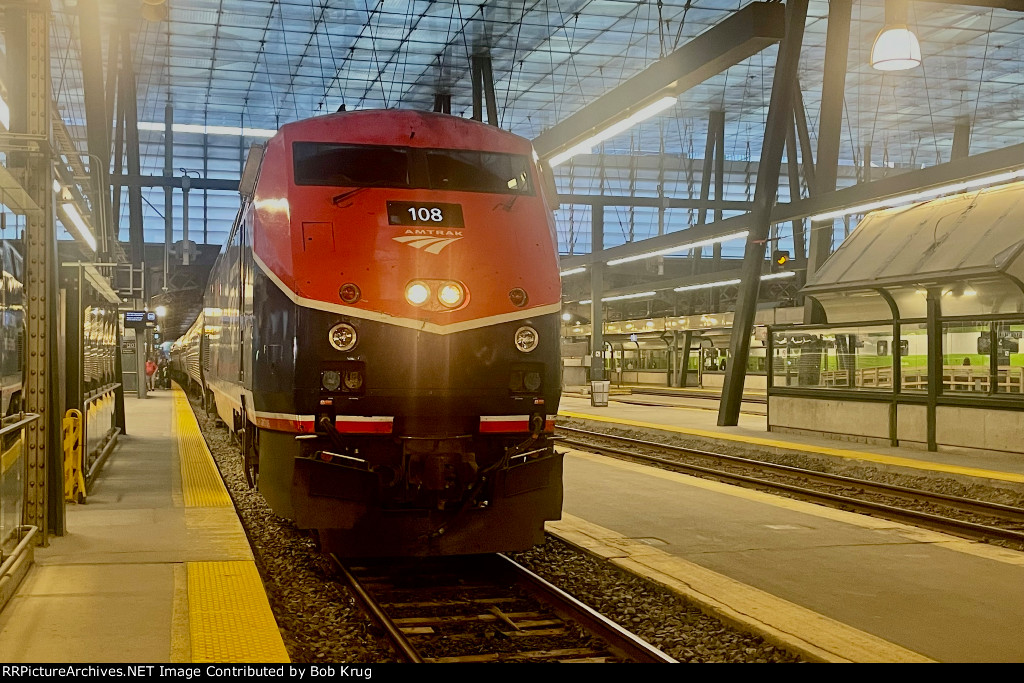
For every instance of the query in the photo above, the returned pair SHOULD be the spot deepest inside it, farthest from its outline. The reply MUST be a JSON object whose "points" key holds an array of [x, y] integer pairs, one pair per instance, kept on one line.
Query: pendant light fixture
{"points": [[896, 47]]}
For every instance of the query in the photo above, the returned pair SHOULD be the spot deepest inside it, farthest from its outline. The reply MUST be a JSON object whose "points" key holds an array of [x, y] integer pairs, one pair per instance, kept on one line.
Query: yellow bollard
{"points": [[74, 477]]}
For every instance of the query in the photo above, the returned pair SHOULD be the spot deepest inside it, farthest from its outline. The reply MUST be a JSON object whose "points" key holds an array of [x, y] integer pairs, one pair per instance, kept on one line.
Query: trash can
{"points": [[599, 392]]}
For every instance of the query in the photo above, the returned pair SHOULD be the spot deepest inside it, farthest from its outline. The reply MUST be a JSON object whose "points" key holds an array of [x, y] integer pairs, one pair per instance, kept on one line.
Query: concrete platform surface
{"points": [[119, 585], [927, 593]]}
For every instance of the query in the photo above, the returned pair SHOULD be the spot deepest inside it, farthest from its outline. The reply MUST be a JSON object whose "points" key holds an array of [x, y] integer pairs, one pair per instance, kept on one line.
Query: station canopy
{"points": [[968, 247]]}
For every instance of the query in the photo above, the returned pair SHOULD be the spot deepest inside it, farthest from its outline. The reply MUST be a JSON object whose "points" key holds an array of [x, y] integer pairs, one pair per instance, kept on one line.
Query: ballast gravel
{"points": [[320, 622]]}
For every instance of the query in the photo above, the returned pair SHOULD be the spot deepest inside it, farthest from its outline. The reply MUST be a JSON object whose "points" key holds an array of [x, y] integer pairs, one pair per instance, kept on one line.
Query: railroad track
{"points": [[484, 608], [965, 517]]}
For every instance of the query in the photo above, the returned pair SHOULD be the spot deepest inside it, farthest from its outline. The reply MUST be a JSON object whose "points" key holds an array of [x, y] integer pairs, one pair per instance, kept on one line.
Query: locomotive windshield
{"points": [[334, 165], [318, 163]]}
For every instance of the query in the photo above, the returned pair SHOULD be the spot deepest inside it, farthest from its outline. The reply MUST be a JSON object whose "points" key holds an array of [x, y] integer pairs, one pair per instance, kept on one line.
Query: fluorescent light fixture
{"points": [[727, 283], [781, 275], [923, 195], [5, 114], [611, 131], [681, 247], [621, 297], [707, 285], [79, 224], [210, 130], [573, 271]]}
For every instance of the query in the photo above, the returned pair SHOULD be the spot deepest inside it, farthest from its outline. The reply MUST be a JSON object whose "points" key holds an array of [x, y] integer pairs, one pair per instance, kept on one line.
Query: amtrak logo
{"points": [[429, 240]]}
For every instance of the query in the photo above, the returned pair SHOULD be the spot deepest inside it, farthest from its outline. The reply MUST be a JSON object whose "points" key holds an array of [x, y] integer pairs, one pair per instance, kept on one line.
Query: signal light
{"points": [[780, 260]]}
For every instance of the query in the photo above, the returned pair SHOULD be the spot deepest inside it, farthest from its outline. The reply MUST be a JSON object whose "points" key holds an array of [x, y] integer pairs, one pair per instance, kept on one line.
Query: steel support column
{"points": [[793, 173], [714, 294], [780, 112], [934, 330], [27, 38], [961, 139], [136, 237], [833, 87], [185, 183], [168, 191], [596, 290], [483, 88], [97, 121], [706, 174]]}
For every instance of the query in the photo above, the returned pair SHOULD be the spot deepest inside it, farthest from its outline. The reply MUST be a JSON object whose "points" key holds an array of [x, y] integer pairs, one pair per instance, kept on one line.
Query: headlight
{"points": [[532, 381], [518, 297], [526, 339], [450, 294], [343, 337], [331, 380], [417, 293], [353, 380]]}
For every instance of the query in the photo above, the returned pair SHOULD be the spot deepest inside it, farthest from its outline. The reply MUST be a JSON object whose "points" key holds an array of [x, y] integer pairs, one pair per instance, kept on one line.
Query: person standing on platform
{"points": [[151, 374]]}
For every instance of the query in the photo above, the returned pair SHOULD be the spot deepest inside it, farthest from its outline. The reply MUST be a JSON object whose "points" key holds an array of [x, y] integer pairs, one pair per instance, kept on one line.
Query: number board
{"points": [[425, 214]]}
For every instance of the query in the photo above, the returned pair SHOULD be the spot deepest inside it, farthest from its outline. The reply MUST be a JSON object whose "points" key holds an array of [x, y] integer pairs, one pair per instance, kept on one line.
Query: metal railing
{"points": [[13, 473]]}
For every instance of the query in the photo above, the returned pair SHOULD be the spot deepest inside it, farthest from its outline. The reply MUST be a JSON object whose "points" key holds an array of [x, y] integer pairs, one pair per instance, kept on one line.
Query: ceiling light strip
{"points": [[621, 297], [76, 220], [681, 247], [587, 146], [736, 281], [210, 130], [573, 271]]}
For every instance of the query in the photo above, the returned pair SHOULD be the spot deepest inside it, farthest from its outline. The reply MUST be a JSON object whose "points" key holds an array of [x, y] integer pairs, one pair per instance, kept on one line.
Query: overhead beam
{"points": [[717, 205], [672, 283], [135, 181], [681, 237], [969, 168], [745, 33], [1013, 5]]}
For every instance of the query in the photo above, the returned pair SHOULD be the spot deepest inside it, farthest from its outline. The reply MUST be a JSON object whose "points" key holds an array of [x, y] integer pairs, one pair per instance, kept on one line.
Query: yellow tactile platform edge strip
{"points": [[229, 616], [200, 482], [806, 448], [780, 622]]}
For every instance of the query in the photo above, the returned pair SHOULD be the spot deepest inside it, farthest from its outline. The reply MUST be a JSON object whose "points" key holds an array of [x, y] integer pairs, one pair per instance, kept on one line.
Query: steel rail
{"points": [[377, 613], [502, 570], [621, 642], [936, 522]]}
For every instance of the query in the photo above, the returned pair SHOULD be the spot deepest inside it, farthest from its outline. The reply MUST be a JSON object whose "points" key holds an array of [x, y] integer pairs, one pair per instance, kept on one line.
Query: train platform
{"points": [[697, 426], [832, 585], [155, 567]]}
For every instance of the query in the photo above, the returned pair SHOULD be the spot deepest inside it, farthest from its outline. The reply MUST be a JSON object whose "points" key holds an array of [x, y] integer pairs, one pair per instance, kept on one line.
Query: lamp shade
{"points": [[895, 49]]}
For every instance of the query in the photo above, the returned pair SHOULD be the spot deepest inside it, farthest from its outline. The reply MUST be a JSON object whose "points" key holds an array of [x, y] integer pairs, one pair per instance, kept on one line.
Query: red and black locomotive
{"points": [[382, 329]]}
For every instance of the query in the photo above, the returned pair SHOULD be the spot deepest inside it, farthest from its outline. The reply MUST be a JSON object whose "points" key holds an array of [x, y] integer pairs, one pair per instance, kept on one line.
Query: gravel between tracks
{"points": [[320, 622]]}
